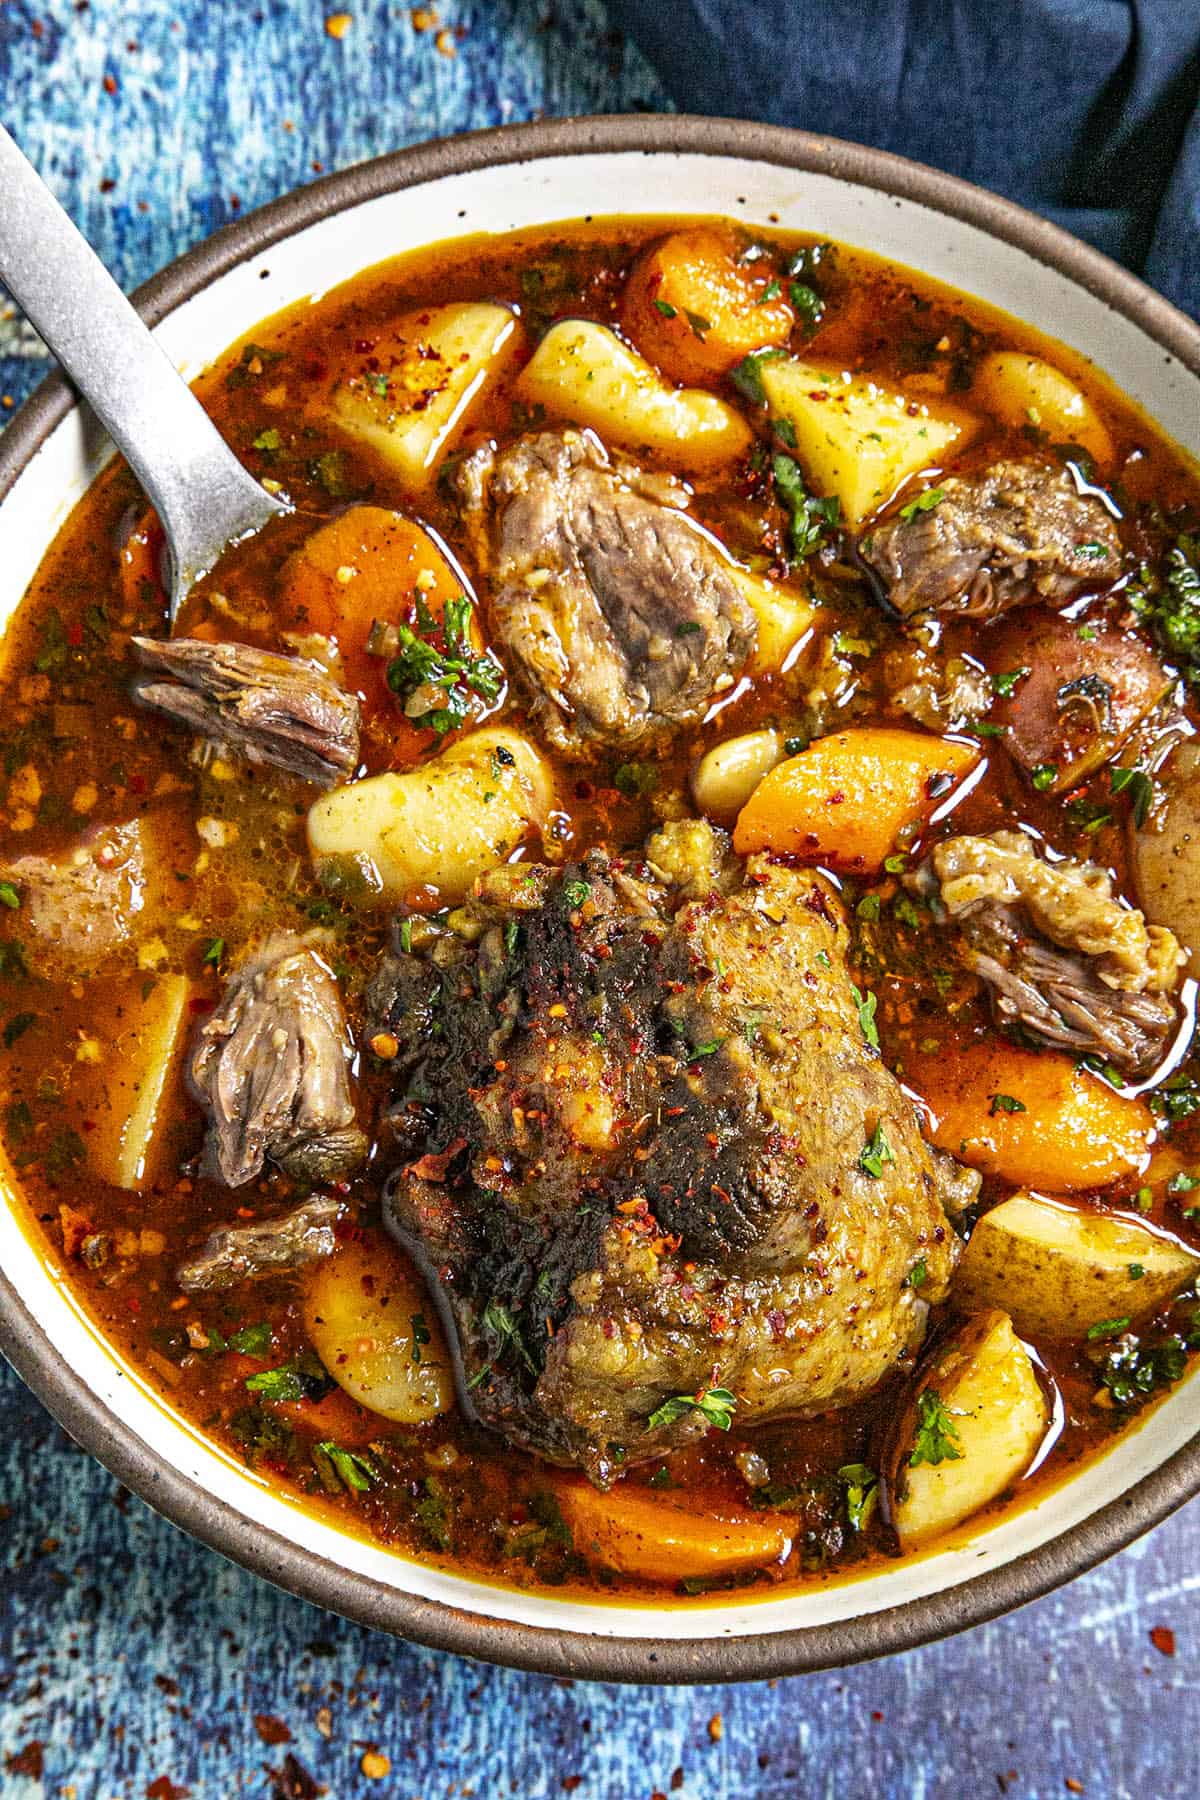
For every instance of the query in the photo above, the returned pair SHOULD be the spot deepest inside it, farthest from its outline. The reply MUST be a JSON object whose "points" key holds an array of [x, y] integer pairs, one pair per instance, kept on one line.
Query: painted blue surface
{"points": [[130, 1653]]}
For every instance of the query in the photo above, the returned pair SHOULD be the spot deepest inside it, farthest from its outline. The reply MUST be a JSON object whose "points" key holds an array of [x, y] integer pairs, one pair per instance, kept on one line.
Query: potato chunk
{"points": [[1166, 851], [1024, 390], [858, 439], [143, 1042], [429, 832], [695, 310], [975, 1423], [1061, 1269], [783, 614], [638, 1534], [583, 372], [371, 1324], [432, 370]]}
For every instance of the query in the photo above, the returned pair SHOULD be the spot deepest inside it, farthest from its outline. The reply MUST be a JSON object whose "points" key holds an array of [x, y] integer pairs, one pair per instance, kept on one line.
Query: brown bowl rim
{"points": [[181, 1499]]}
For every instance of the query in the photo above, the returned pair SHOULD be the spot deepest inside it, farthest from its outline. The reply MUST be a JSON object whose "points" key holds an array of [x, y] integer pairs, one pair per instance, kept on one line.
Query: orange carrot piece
{"points": [[629, 1531], [845, 799], [691, 307], [1030, 1117]]}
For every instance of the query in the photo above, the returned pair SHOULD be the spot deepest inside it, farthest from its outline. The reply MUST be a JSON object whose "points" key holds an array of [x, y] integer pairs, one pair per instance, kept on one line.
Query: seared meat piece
{"points": [[1014, 533], [1064, 959], [644, 1149], [272, 1068], [620, 616], [268, 1247], [284, 710], [80, 907]]}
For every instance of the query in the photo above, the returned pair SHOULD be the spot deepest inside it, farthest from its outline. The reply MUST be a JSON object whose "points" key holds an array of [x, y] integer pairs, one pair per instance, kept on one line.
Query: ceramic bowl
{"points": [[497, 181]]}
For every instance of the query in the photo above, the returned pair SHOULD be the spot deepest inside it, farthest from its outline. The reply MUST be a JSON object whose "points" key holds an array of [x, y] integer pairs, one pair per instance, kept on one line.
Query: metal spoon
{"points": [[203, 496]]}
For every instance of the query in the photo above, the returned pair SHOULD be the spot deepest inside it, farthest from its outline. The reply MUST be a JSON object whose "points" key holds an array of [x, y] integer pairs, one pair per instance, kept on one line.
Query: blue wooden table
{"points": [[135, 1663]]}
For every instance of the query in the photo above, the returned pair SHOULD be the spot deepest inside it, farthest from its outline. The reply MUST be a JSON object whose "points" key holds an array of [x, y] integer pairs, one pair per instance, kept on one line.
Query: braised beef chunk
{"points": [[646, 1150], [268, 1247], [620, 617], [284, 710], [272, 1068], [82, 906], [1064, 960], [1014, 533]]}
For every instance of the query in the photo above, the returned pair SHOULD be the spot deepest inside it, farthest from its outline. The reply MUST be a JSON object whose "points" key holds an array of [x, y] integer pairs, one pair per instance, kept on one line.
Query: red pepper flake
{"points": [[201, 1005], [676, 1780], [1072, 1786], [110, 84], [137, 783], [271, 1730], [716, 1728], [571, 1782], [292, 1782], [165, 1789], [1163, 1639], [74, 636], [28, 1761]]}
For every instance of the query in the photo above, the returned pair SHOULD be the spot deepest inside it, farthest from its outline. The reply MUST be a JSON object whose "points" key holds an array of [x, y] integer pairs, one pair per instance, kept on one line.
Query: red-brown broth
{"points": [[68, 646]]}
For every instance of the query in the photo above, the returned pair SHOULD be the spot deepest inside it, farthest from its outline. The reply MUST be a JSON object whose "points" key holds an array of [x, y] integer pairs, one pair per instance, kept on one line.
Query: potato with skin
{"points": [[1166, 851], [1060, 1269], [1029, 1117], [583, 372], [426, 374], [972, 1428], [1022, 390], [844, 800], [1071, 702], [370, 1322], [639, 1534], [855, 437], [139, 1063], [427, 833], [695, 310]]}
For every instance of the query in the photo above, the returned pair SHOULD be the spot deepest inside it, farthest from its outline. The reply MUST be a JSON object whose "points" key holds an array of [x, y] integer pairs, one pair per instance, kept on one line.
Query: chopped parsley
{"points": [[1170, 606], [717, 1405], [917, 1276], [1131, 1370], [445, 678], [747, 375], [17, 1026], [1182, 1183], [1007, 1103], [812, 518], [1004, 684], [575, 893], [420, 1336], [214, 951], [666, 309], [699, 324], [1044, 776], [351, 1470], [268, 440], [866, 1003], [1140, 788], [635, 779], [503, 1331], [433, 1514], [1176, 1099], [9, 896], [862, 1493], [1107, 1328], [875, 1153], [807, 302], [937, 1439], [923, 503]]}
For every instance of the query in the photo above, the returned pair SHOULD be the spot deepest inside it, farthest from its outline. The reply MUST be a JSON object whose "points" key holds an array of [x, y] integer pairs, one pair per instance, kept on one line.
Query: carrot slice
{"points": [[845, 799], [1030, 1117], [695, 310], [637, 1535]]}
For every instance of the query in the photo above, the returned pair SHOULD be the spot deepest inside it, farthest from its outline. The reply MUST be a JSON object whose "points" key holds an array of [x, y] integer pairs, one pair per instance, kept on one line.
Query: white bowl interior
{"points": [[502, 198]]}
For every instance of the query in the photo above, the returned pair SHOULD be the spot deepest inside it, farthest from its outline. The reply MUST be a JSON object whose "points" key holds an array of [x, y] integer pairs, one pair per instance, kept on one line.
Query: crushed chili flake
{"points": [[1163, 1639], [375, 1765], [293, 1781], [716, 1728], [163, 1788], [28, 1761], [338, 24], [271, 1730]]}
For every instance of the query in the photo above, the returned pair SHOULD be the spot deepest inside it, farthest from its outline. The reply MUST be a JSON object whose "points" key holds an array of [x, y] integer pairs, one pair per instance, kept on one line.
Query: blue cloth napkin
{"points": [[1083, 110]]}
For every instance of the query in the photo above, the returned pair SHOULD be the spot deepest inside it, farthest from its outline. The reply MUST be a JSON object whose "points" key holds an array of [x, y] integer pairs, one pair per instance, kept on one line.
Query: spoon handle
{"points": [[202, 494]]}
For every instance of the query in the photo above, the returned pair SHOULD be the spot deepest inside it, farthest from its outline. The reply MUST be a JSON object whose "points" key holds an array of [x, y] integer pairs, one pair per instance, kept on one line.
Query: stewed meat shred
{"points": [[83, 905], [620, 617], [633, 1177], [1014, 533], [272, 1068], [237, 1253], [284, 710], [1063, 958]]}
